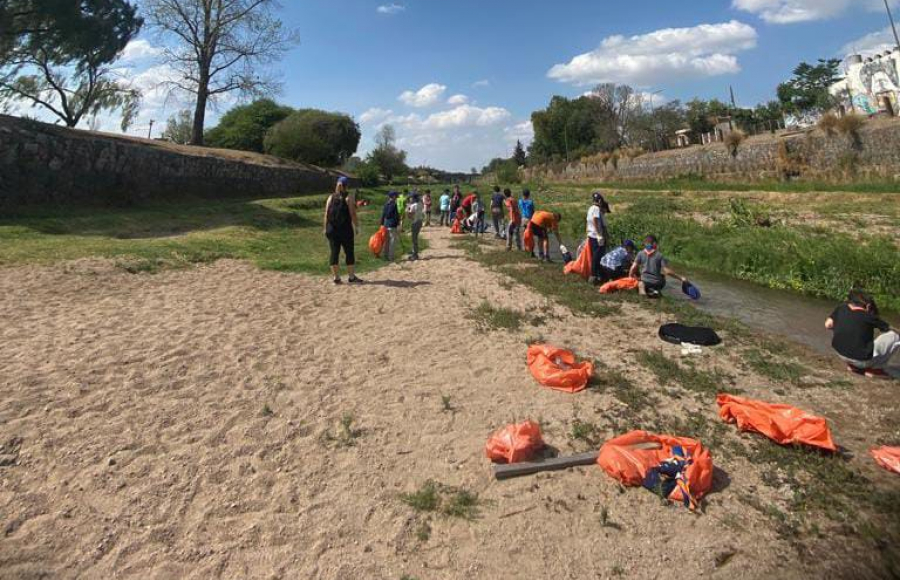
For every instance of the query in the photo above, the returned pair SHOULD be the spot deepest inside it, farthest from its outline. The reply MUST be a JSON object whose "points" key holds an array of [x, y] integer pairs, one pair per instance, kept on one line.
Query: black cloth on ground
{"points": [[679, 333]]}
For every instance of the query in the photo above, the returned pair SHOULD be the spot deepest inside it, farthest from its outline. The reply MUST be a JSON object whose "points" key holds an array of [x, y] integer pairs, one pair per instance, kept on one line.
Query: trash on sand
{"points": [[376, 242], [781, 423], [678, 468], [558, 369], [528, 239], [688, 349], [680, 334], [515, 443], [690, 290], [457, 227], [502, 472], [887, 457], [581, 266], [620, 285]]}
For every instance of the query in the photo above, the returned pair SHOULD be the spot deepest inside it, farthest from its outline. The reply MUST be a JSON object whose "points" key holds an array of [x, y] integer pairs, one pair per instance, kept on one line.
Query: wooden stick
{"points": [[511, 470]]}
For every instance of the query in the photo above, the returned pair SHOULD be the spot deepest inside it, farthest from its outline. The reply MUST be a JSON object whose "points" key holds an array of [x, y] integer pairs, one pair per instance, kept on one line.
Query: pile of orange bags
{"points": [[887, 457], [457, 227], [780, 423], [376, 242], [528, 239], [632, 456], [620, 285], [557, 368], [583, 265], [515, 443]]}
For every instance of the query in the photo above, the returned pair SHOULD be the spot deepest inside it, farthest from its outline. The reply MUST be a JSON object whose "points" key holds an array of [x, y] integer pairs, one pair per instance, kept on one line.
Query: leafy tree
{"points": [[179, 129], [315, 137], [808, 89], [244, 127], [519, 155], [386, 156], [702, 116], [56, 55], [368, 174], [219, 47]]}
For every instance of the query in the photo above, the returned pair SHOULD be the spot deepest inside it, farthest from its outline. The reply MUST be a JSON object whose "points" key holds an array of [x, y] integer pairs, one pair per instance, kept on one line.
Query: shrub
{"points": [[850, 125], [244, 128], [315, 137], [733, 141], [829, 123], [368, 174]]}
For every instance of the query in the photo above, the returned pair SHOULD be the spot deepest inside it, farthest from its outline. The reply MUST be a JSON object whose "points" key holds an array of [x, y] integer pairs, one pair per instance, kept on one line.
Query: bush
{"points": [[733, 141], [368, 174], [244, 128], [850, 125], [315, 137], [829, 123]]}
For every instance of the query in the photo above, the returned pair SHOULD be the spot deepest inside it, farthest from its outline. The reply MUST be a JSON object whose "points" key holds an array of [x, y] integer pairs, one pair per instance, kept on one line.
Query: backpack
{"points": [[338, 212]]}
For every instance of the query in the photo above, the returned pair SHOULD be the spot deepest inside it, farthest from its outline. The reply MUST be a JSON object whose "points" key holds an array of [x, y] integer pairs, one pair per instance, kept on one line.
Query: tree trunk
{"points": [[200, 110]]}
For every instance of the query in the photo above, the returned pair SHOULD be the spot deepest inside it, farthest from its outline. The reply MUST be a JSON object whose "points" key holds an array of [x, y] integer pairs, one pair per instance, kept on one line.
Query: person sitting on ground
{"points": [[426, 205], [445, 208], [651, 268], [854, 324], [597, 234], [541, 224], [497, 200], [415, 213], [513, 229], [617, 263], [390, 219], [341, 226], [467, 201], [526, 208]]}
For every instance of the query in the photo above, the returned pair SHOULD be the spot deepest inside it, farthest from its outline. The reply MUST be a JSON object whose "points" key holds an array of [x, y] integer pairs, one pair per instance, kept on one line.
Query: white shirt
{"points": [[415, 212], [595, 214]]}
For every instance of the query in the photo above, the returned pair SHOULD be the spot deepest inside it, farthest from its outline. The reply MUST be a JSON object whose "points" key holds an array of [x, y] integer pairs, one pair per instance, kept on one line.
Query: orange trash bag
{"points": [[780, 423], [557, 368], [887, 457], [457, 228], [679, 468], [583, 265], [376, 242], [514, 443], [528, 239], [620, 285]]}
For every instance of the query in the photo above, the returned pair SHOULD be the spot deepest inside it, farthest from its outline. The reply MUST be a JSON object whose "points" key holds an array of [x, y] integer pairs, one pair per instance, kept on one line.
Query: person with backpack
{"points": [[597, 235], [415, 214], [497, 201], [445, 208], [340, 227], [854, 324], [390, 219]]}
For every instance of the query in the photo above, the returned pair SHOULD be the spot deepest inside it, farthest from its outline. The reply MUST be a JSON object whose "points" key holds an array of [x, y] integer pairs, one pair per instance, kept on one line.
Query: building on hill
{"points": [[872, 85]]}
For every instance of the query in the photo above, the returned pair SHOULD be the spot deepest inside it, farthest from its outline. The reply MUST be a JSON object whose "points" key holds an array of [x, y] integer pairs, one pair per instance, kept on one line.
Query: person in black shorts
{"points": [[341, 226]]}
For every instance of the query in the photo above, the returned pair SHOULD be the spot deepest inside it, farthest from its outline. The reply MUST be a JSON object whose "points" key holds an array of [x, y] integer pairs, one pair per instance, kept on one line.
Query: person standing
{"points": [[477, 214], [390, 219], [415, 214], [402, 200], [597, 234], [445, 208], [497, 200], [341, 226], [426, 203], [513, 229], [526, 209]]}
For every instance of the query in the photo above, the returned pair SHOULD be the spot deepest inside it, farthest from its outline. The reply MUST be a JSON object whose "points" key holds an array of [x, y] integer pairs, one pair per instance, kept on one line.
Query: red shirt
{"points": [[512, 205], [467, 203]]}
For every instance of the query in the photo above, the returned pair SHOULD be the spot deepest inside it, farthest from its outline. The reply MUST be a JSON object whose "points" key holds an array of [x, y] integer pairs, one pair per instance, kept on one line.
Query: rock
{"points": [[7, 459]]}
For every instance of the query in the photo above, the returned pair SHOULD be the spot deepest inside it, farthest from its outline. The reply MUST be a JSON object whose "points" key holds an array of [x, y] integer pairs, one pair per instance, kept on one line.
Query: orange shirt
{"points": [[544, 219]]}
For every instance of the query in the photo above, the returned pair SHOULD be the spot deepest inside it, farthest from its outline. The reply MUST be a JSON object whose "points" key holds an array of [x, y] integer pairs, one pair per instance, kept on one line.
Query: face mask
{"points": [[649, 247]]}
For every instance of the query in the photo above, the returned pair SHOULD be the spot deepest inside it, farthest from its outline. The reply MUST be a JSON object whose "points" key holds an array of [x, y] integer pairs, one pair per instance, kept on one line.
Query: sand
{"points": [[186, 425]]}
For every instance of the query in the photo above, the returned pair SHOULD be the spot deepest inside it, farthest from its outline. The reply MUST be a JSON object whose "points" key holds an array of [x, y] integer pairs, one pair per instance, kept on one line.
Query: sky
{"points": [[459, 80]]}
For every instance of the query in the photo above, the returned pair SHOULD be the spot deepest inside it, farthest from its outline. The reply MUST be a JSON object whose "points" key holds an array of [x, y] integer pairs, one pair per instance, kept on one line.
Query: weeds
{"points": [[490, 317], [585, 432], [423, 533], [346, 435], [669, 372], [766, 366], [445, 404], [267, 411], [448, 501]]}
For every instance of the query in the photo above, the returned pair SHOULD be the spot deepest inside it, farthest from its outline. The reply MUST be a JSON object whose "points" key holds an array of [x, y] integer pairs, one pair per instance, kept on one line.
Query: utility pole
{"points": [[150, 130], [893, 25]]}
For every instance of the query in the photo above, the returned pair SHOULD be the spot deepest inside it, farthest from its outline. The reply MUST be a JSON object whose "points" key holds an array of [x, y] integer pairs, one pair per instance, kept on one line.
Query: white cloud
{"points": [[138, 50], [481, 83], [390, 8], [427, 96], [872, 43], [466, 116], [664, 55], [792, 11], [457, 100], [375, 115], [523, 132]]}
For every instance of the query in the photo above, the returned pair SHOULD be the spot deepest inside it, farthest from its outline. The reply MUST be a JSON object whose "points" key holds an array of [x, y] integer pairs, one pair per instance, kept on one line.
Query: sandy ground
{"points": [[137, 442]]}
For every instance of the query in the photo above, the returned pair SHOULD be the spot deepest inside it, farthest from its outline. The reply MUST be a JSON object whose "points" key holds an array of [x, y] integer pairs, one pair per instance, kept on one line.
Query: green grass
{"points": [[695, 183], [687, 376], [445, 500], [282, 234], [490, 317], [771, 368]]}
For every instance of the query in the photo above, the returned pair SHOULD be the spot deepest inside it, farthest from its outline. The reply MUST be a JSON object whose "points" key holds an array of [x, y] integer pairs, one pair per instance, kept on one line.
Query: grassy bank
{"points": [[279, 234], [697, 183], [821, 244]]}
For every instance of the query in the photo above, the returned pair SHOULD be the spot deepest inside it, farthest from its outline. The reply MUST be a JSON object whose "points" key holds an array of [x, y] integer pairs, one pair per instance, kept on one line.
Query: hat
{"points": [[393, 194], [343, 179], [598, 197], [629, 244]]}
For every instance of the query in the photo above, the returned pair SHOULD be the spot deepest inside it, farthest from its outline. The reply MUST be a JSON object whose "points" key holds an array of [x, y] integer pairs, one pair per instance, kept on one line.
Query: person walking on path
{"points": [[854, 324], [542, 223], [426, 203], [341, 226], [497, 200], [597, 234], [390, 219], [514, 228], [445, 208], [415, 213]]}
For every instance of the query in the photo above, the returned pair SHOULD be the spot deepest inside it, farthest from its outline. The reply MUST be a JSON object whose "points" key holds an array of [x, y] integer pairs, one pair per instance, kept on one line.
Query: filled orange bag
{"points": [[639, 458], [557, 368], [781, 423], [620, 285], [457, 228], [528, 239], [887, 457], [376, 242], [515, 443], [583, 266]]}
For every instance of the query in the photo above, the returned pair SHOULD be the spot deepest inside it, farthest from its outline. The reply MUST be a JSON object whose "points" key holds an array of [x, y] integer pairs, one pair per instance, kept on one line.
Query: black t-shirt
{"points": [[340, 222], [854, 332], [497, 201]]}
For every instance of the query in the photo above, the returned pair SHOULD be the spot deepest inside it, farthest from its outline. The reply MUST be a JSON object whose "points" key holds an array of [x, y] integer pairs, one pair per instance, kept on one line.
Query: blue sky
{"points": [[402, 62]]}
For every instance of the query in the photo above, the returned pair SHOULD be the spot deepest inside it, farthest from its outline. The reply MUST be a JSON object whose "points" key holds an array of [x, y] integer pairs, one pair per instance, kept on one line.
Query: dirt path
{"points": [[187, 425]]}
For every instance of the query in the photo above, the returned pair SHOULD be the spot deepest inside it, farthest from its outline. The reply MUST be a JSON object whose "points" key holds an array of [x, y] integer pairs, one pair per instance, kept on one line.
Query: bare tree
{"points": [[620, 104], [219, 47]]}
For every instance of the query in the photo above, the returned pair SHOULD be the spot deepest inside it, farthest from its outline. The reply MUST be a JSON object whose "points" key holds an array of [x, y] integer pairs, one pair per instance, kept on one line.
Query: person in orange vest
{"points": [[542, 223]]}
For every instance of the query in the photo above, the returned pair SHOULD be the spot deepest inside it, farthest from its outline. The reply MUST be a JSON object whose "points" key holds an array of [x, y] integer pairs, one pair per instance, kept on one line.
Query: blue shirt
{"points": [[616, 259], [390, 217], [526, 208]]}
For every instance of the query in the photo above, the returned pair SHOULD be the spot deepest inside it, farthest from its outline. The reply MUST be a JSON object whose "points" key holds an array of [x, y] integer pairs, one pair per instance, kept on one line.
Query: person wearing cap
{"points": [[615, 264], [651, 268], [542, 223], [415, 214], [390, 219], [341, 226], [597, 233]]}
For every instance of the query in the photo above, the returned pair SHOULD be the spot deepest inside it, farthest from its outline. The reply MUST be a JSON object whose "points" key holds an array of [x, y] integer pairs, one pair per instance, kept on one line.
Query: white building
{"points": [[872, 84]]}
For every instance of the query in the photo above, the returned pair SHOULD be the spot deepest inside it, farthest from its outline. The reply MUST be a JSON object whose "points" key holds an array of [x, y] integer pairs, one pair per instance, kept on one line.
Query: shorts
{"points": [[338, 241], [538, 231]]}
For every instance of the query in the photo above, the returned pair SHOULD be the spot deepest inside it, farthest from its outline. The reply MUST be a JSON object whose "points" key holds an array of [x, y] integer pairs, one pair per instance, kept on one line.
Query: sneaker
{"points": [[877, 374], [355, 280], [855, 370], [337, 282]]}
